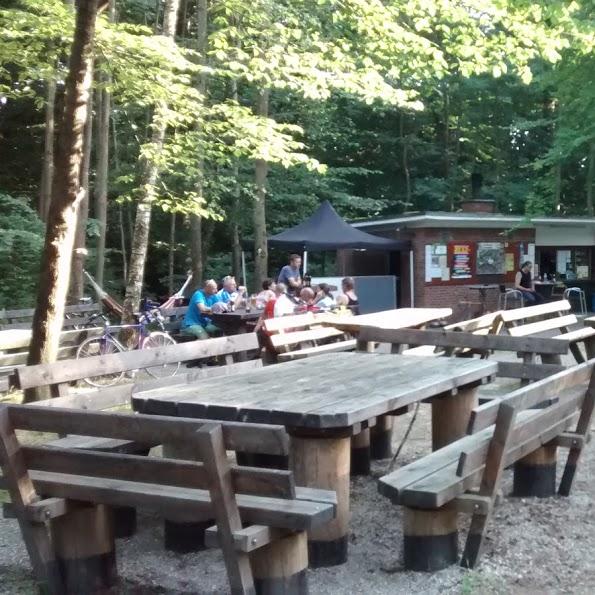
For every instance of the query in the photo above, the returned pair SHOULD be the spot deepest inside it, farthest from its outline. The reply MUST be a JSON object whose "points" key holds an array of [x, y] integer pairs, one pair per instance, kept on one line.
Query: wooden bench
{"points": [[73, 316], [553, 318], [14, 346], [303, 335], [523, 428], [468, 343], [261, 517], [173, 322]]}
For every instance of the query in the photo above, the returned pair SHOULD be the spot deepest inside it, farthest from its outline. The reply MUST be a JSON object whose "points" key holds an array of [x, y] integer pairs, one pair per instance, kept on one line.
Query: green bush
{"points": [[21, 244]]}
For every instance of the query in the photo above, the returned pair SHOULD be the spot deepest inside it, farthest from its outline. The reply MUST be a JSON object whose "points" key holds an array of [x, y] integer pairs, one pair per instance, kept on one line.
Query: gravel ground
{"points": [[533, 546]]}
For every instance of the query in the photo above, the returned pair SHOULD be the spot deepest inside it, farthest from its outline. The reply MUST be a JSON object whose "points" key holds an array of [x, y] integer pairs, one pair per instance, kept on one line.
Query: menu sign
{"points": [[461, 261]]}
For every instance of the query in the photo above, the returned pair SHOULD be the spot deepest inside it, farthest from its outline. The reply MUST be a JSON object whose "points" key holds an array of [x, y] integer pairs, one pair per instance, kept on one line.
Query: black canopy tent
{"points": [[326, 230]]}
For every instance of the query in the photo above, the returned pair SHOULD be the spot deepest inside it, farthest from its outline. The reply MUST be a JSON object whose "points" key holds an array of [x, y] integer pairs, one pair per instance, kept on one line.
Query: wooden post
{"points": [[180, 535], [450, 416], [381, 438], [323, 462], [85, 549], [360, 453], [281, 566], [430, 539], [535, 474]]}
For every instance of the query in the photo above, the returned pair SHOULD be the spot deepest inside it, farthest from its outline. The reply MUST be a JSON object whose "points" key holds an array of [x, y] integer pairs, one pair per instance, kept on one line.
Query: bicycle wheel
{"points": [[100, 346], [155, 340]]}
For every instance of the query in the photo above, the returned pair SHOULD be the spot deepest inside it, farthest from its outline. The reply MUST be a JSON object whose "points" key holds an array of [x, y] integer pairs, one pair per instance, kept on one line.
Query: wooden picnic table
{"points": [[322, 402], [236, 322]]}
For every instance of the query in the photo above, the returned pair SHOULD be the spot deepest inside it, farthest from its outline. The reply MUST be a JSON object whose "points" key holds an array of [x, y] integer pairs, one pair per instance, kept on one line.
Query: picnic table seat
{"points": [[261, 516], [74, 316], [303, 335], [551, 319], [523, 428]]}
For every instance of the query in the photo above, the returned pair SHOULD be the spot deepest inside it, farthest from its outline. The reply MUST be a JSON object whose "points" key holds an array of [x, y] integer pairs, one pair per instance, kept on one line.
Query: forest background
{"points": [[216, 121]]}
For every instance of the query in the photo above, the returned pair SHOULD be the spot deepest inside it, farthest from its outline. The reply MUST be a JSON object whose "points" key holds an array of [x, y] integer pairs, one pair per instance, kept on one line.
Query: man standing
{"points": [[290, 274], [197, 322]]}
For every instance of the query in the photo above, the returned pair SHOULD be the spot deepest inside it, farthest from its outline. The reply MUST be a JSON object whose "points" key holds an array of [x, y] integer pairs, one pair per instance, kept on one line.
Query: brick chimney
{"points": [[477, 204]]}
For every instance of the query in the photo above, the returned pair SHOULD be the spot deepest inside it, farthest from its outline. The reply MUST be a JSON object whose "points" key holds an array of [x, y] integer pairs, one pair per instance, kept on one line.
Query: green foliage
{"points": [[21, 242]]}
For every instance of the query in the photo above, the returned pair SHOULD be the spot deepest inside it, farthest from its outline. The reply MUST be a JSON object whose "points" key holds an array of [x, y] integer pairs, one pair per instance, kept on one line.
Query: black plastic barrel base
{"points": [[360, 461], [183, 538], [428, 553], [380, 444], [328, 553], [95, 574], [534, 481], [296, 584], [124, 521]]}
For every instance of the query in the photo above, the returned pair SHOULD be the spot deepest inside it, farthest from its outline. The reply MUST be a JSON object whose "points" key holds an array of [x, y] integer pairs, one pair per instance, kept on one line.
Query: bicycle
{"points": [[107, 343]]}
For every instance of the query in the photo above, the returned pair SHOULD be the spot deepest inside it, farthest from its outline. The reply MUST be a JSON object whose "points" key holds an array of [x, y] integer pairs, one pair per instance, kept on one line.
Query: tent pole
{"points": [[411, 281], [305, 261], [244, 281]]}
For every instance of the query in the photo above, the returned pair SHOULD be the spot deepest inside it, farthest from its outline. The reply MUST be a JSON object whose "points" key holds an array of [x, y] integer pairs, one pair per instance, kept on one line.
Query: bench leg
{"points": [[360, 453], [179, 535], [324, 462], [535, 474], [381, 438], [430, 539], [281, 567], [450, 416], [85, 549]]}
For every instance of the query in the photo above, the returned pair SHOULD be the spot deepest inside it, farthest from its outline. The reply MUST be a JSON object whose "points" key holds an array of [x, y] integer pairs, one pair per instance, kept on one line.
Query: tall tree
{"points": [[47, 164], [149, 177], [66, 194]]}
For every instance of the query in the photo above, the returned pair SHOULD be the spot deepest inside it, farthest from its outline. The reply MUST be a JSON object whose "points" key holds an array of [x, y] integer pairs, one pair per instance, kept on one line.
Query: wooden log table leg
{"points": [[381, 438], [535, 474], [360, 453], [85, 549], [450, 416], [430, 539], [323, 462], [180, 535], [282, 566]]}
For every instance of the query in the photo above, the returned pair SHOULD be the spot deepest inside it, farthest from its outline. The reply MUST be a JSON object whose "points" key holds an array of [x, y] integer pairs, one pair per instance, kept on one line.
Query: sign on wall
{"points": [[490, 258], [436, 263], [461, 261]]}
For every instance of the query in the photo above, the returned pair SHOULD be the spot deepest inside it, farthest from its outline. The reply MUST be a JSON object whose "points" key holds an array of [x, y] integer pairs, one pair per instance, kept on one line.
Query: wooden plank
{"points": [[210, 444], [67, 371], [22, 493], [283, 323], [485, 322], [461, 339], [329, 348], [174, 472], [146, 429], [91, 400], [542, 326], [532, 311], [48, 508], [528, 371], [578, 335], [492, 474], [28, 312], [292, 338], [530, 396], [248, 539]]}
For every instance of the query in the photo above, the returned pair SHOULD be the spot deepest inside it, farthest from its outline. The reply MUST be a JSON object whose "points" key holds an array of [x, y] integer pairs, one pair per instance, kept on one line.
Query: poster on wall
{"points": [[490, 258], [510, 262], [436, 262], [461, 261]]}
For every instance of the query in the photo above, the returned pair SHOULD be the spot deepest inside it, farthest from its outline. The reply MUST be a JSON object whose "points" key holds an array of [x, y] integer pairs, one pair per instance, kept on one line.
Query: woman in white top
{"points": [[324, 297]]}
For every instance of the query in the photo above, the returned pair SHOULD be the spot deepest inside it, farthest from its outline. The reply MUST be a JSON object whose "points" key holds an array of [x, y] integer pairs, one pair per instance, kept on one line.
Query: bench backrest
{"points": [[23, 317], [70, 370], [289, 332], [482, 325], [535, 320]]}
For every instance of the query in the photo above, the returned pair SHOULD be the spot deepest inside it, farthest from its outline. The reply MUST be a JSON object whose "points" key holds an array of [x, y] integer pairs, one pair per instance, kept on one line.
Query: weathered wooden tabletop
{"points": [[334, 390], [237, 316], [390, 319], [14, 338]]}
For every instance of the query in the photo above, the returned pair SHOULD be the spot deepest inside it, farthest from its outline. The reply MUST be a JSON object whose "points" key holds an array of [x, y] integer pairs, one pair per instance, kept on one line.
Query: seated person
{"points": [[324, 298], [283, 305], [348, 287], [230, 292], [342, 306], [197, 322], [524, 283], [267, 294], [307, 297]]}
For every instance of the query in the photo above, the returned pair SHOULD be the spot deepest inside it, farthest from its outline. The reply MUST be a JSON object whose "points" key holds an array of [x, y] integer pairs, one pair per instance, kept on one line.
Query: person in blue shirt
{"points": [[197, 322], [230, 292], [290, 274]]}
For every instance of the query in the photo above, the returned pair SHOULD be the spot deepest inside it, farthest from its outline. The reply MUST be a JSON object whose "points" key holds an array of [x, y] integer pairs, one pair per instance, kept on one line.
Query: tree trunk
{"points": [[148, 180], [405, 160], [590, 179], [47, 172], [79, 254], [123, 243], [197, 252], [446, 145], [172, 254], [101, 183], [236, 248], [260, 223], [66, 196], [557, 186]]}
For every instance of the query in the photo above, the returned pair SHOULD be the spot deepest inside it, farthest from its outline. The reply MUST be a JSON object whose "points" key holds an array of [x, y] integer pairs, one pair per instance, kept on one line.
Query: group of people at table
{"points": [[290, 294]]}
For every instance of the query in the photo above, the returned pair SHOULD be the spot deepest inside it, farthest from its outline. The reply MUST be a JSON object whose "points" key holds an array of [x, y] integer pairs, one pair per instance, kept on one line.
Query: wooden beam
{"points": [[532, 311], [248, 539], [528, 371]]}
